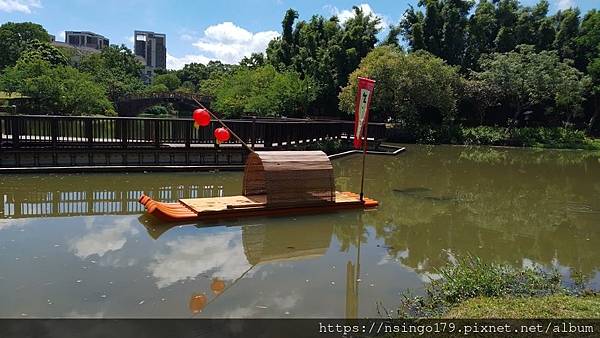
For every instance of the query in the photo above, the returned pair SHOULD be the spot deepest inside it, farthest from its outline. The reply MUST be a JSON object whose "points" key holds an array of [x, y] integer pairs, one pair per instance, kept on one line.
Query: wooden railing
{"points": [[63, 132]]}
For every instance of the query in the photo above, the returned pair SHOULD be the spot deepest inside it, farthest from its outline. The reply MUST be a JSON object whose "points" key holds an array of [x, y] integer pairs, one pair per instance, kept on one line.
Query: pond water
{"points": [[79, 245]]}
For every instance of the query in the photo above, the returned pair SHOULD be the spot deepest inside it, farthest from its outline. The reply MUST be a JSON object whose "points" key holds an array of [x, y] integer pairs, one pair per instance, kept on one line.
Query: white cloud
{"points": [[60, 36], [564, 4], [225, 42], [24, 6], [346, 14], [230, 43], [222, 255], [178, 62], [110, 238]]}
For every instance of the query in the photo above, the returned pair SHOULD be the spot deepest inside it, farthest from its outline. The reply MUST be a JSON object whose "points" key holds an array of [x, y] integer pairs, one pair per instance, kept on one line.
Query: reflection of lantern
{"points": [[217, 286], [197, 302], [221, 134], [201, 117]]}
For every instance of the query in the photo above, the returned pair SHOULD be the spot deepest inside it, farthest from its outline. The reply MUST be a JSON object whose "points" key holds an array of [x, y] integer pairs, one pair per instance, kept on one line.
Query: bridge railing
{"points": [[43, 131]]}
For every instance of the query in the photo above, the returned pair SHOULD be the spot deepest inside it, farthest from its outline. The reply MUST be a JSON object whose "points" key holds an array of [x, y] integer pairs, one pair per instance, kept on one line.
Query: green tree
{"points": [[568, 30], [430, 100], [253, 61], [588, 58], [324, 50], [16, 37], [57, 89], [117, 69], [264, 91], [524, 79], [44, 51], [170, 80], [193, 73]]}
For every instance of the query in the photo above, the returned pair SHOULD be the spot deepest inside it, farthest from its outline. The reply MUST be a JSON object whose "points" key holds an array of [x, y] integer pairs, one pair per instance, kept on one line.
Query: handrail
{"points": [[59, 132]]}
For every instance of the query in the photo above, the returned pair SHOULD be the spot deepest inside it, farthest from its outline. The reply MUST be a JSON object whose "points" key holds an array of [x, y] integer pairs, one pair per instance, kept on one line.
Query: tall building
{"points": [[152, 47], [86, 39]]}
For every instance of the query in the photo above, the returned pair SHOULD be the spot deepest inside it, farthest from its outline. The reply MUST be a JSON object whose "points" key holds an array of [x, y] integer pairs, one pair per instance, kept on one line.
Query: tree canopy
{"points": [[325, 50], [398, 97], [263, 91]]}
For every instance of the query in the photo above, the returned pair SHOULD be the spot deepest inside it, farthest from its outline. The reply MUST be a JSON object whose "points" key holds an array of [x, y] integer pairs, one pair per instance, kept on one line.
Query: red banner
{"points": [[364, 94]]}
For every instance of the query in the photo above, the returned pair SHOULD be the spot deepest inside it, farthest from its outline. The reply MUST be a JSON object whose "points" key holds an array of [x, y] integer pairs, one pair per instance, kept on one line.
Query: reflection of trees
{"points": [[499, 204]]}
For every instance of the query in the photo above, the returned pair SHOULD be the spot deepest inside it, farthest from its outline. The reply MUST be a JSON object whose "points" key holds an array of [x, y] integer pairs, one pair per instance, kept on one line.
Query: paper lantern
{"points": [[197, 302], [201, 117], [217, 286], [222, 135]]}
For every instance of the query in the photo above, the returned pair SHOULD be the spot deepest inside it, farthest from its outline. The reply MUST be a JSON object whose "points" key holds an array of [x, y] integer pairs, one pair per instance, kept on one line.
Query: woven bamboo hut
{"points": [[290, 178]]}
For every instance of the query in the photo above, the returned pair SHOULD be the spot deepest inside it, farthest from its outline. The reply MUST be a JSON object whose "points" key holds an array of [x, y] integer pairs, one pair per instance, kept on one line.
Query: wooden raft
{"points": [[275, 183]]}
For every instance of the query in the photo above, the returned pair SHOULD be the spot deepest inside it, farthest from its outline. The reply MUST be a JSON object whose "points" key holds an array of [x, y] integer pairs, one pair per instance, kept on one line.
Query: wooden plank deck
{"points": [[212, 204]]}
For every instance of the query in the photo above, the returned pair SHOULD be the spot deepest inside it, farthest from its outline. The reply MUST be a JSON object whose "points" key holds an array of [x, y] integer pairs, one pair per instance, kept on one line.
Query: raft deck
{"points": [[244, 206]]}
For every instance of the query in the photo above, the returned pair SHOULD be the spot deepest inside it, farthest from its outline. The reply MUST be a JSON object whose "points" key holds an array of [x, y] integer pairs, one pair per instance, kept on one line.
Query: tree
{"points": [[15, 38], [193, 73], [44, 51], [324, 50], [442, 29], [170, 80], [568, 30], [117, 69], [253, 61], [57, 89], [263, 91], [524, 79], [430, 100], [588, 58]]}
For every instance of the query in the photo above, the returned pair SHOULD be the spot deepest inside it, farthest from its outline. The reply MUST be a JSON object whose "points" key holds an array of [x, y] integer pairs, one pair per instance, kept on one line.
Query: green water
{"points": [[78, 245]]}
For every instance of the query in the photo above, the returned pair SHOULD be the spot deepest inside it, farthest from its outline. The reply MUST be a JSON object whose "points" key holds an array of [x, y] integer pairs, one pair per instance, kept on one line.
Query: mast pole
{"points": [[362, 178]]}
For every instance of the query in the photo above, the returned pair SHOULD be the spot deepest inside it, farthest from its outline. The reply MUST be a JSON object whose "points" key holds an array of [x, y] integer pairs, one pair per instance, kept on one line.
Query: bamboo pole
{"points": [[362, 178], [223, 124]]}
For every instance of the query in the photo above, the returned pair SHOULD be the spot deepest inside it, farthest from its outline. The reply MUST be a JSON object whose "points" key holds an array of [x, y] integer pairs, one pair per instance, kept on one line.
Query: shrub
{"points": [[470, 277]]}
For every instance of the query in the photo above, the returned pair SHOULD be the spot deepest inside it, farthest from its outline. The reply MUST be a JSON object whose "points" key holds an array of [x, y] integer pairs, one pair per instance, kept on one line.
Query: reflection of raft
{"points": [[275, 183]]}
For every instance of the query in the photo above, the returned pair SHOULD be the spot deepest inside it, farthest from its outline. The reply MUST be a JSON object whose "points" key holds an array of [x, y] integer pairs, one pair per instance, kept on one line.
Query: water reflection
{"points": [[78, 245]]}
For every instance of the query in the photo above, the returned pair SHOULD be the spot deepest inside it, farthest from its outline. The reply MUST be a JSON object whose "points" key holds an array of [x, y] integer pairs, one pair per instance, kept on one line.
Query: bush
{"points": [[470, 278], [545, 137]]}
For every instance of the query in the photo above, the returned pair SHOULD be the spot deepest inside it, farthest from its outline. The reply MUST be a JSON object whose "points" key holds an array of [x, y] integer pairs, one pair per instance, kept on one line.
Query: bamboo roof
{"points": [[289, 178]]}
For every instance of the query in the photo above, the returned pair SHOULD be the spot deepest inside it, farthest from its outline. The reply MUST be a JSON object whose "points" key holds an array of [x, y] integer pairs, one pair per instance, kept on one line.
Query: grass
{"points": [[4, 95], [554, 306], [471, 288]]}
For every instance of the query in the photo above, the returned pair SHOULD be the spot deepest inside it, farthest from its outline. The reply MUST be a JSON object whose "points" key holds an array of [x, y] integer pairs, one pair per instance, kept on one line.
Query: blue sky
{"points": [[199, 31]]}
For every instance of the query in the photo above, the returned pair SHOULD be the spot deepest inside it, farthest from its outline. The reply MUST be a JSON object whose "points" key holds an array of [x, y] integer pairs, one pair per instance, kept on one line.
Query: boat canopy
{"points": [[290, 178]]}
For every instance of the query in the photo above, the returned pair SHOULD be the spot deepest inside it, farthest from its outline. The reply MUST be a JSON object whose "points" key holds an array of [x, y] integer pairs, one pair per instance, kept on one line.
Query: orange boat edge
{"points": [[198, 209]]}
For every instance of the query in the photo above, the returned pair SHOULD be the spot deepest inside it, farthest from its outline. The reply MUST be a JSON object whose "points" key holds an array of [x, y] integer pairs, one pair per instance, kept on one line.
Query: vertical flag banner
{"points": [[361, 109]]}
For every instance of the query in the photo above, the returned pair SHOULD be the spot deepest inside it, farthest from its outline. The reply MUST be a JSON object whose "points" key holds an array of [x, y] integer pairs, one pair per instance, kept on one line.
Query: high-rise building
{"points": [[86, 39], [153, 48]]}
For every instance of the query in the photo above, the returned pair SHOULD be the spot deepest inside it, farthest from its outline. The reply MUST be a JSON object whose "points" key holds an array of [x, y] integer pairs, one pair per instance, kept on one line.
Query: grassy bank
{"points": [[471, 288], [540, 137], [555, 306]]}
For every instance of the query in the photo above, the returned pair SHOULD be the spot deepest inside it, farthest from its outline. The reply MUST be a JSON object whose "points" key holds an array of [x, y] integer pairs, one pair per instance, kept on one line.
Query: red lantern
{"points": [[201, 117], [222, 135]]}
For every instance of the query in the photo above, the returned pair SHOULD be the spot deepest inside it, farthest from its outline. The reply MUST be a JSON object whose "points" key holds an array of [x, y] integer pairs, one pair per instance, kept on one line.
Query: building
{"points": [[86, 39], [152, 47]]}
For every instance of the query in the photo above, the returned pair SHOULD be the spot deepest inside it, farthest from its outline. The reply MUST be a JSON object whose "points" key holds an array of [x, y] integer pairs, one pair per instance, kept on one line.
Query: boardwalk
{"points": [[31, 141]]}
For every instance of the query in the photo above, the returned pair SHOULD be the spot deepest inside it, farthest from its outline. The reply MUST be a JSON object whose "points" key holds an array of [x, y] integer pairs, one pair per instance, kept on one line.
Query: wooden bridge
{"points": [[64, 143], [132, 105]]}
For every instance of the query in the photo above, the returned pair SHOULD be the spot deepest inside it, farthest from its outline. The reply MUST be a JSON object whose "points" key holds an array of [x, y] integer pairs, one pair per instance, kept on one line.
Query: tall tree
{"points": [[16, 37], [524, 79], [116, 68], [566, 35], [588, 58], [325, 50]]}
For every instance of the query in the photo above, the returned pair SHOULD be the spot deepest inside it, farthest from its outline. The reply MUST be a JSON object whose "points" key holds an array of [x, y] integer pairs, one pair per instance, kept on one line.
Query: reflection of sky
{"points": [[101, 239], [188, 256]]}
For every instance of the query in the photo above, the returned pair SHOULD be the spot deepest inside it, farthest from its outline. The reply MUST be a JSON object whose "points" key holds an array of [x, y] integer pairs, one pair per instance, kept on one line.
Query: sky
{"points": [[203, 30]]}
